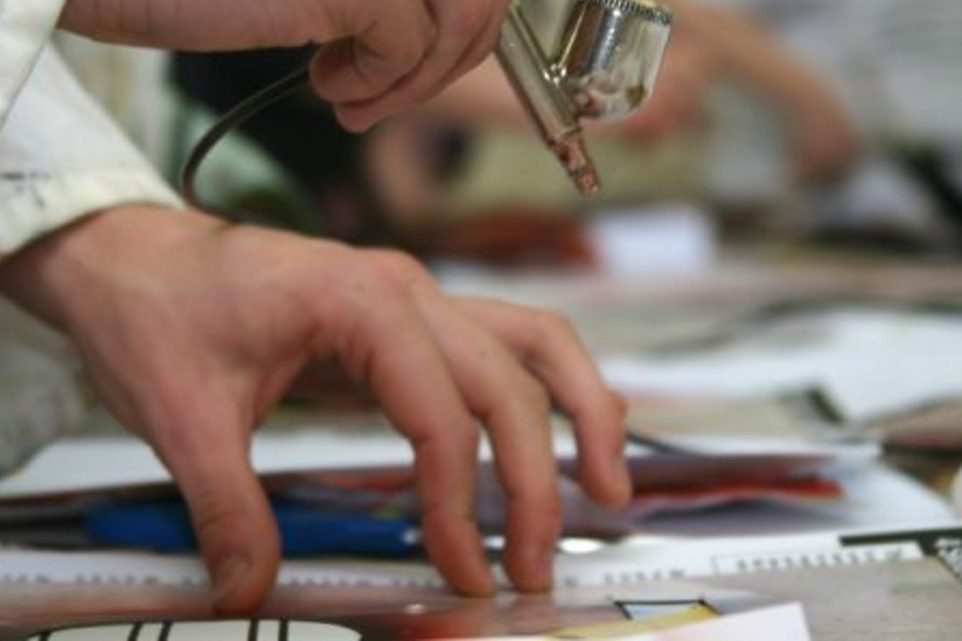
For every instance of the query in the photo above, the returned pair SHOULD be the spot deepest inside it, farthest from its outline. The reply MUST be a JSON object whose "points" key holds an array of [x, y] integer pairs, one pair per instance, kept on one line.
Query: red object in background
{"points": [[509, 237], [702, 496]]}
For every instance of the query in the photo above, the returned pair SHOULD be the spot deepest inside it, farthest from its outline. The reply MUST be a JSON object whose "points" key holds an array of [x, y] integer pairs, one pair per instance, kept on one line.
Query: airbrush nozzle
{"points": [[573, 154], [550, 110]]}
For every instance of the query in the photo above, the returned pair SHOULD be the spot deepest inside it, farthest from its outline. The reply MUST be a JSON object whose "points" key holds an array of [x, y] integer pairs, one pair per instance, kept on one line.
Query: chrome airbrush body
{"points": [[606, 66]]}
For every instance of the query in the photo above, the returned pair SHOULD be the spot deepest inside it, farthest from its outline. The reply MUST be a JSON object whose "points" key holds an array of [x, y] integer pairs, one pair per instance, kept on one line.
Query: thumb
{"points": [[231, 517]]}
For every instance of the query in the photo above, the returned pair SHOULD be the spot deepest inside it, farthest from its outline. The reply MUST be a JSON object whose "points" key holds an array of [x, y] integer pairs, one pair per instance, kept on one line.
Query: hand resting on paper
{"points": [[192, 329]]}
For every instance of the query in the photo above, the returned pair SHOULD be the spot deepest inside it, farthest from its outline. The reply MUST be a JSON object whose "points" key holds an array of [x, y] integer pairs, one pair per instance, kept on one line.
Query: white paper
{"points": [[779, 623], [632, 562], [869, 362], [238, 630], [83, 464], [667, 240], [876, 497], [784, 623]]}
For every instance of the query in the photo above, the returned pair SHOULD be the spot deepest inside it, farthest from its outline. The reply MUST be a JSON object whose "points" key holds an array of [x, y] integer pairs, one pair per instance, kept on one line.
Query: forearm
{"points": [[42, 278], [63, 271], [201, 25]]}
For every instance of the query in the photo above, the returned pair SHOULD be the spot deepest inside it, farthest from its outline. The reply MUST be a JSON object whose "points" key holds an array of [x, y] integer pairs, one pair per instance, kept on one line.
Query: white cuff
{"points": [[61, 158], [46, 203]]}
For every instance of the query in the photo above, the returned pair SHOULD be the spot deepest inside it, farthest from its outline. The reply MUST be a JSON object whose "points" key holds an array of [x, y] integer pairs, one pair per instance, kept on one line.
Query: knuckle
{"points": [[553, 511], [425, 34], [444, 440], [441, 521], [553, 520], [552, 328], [411, 54], [470, 19], [357, 302], [427, 441], [546, 503], [397, 267], [536, 395], [211, 515], [374, 279]]}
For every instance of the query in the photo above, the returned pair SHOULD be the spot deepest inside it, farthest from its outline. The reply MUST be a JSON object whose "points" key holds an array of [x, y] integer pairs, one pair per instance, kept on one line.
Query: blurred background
{"points": [[828, 122]]}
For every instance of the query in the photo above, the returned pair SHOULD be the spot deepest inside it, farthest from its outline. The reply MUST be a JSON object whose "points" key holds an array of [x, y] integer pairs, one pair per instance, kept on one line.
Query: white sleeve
{"points": [[25, 26], [61, 158]]}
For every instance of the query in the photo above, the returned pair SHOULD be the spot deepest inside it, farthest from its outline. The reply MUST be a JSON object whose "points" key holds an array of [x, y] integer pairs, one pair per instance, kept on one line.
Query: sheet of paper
{"points": [[666, 240], [381, 614], [639, 560], [785, 623], [869, 362], [917, 600], [109, 462], [876, 497], [205, 631], [85, 463], [642, 618]]}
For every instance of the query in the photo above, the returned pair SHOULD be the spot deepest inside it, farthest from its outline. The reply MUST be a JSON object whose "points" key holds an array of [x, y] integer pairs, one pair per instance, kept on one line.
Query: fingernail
{"points": [[487, 586], [547, 567], [624, 474], [228, 578], [626, 487]]}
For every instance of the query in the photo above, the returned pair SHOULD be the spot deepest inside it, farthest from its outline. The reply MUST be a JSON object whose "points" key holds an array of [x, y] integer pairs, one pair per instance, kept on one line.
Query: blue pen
{"points": [[164, 526]]}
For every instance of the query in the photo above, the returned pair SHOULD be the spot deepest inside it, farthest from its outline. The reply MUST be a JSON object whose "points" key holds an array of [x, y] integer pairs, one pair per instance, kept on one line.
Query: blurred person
{"points": [[190, 329], [661, 152], [898, 67]]}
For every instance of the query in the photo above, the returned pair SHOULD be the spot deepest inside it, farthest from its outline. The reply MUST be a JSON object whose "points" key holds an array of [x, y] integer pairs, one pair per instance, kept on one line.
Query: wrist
{"points": [[53, 276]]}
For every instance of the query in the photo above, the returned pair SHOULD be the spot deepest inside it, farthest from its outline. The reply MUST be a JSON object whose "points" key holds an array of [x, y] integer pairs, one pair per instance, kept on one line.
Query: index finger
{"points": [[390, 349]]}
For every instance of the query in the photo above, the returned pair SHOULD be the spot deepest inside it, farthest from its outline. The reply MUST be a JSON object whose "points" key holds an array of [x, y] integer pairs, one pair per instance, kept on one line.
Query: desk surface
{"points": [[911, 600], [918, 600]]}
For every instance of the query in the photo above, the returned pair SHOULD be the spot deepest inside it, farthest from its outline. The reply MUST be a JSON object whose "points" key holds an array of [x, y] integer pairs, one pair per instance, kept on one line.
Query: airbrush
{"points": [[606, 65]]}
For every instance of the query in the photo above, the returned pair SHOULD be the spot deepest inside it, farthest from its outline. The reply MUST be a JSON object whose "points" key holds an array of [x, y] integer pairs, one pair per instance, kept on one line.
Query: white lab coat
{"points": [[61, 158]]}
